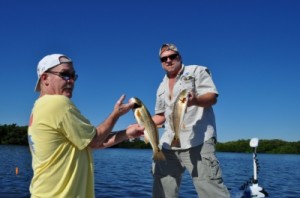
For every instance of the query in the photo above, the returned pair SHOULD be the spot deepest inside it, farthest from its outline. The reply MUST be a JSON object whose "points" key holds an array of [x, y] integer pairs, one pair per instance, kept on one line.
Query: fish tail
{"points": [[158, 155], [176, 142]]}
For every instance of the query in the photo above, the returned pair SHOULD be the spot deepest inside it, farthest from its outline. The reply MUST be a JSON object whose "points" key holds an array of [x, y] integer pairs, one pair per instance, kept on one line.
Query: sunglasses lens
{"points": [[163, 59], [68, 76], [65, 76], [171, 57]]}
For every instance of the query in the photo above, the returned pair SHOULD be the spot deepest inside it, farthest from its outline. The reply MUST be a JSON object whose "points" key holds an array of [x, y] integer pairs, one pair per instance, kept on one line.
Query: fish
{"points": [[179, 110], [144, 119]]}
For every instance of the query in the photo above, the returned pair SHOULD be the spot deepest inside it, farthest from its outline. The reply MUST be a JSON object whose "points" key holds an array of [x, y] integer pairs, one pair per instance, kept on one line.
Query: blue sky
{"points": [[252, 48]]}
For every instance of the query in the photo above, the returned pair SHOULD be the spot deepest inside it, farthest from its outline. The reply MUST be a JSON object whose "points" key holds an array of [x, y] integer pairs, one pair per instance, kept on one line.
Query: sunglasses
{"points": [[65, 75], [171, 57]]}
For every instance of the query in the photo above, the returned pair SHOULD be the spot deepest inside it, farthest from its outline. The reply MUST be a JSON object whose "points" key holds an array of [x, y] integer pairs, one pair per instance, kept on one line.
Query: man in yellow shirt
{"points": [[61, 138]]}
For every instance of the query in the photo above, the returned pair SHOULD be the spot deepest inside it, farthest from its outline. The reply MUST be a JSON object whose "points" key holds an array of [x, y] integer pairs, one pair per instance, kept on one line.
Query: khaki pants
{"points": [[202, 165]]}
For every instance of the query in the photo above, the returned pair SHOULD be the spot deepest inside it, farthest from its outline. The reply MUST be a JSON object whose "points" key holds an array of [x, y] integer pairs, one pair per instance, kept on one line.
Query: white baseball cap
{"points": [[49, 62]]}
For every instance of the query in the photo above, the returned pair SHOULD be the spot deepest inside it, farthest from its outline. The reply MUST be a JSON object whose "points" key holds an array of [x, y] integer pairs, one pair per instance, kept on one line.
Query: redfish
{"points": [[144, 119], [179, 110]]}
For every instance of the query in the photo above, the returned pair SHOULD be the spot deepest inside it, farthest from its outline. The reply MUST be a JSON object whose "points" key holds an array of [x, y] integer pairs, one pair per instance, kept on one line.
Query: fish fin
{"points": [[158, 155], [176, 142]]}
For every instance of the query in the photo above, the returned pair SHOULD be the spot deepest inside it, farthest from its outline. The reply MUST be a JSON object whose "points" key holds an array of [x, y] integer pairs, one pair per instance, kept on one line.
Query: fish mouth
{"points": [[135, 106], [136, 103]]}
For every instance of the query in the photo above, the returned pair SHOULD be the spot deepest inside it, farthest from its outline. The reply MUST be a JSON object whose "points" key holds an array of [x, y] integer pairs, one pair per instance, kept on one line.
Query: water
{"points": [[126, 173]]}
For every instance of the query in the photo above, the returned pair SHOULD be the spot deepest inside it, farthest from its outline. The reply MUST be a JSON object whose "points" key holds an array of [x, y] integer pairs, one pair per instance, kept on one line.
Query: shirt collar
{"points": [[181, 71]]}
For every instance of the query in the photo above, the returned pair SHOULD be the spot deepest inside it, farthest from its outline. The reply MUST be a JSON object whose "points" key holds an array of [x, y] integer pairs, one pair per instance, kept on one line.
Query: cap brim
{"points": [[37, 87]]}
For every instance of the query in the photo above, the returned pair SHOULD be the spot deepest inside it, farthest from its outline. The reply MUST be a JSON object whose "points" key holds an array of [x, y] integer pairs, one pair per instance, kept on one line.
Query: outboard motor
{"points": [[254, 189]]}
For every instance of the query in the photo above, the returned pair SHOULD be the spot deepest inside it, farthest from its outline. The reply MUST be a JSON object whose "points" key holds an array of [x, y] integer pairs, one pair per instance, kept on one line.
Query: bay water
{"points": [[127, 173]]}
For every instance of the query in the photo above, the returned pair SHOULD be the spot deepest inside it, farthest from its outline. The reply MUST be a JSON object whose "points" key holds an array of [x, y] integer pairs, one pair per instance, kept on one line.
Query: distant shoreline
{"points": [[13, 134]]}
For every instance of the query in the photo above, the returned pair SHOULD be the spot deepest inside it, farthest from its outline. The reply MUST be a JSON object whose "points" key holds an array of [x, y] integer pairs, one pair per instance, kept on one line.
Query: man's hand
{"points": [[206, 100], [134, 131], [121, 108]]}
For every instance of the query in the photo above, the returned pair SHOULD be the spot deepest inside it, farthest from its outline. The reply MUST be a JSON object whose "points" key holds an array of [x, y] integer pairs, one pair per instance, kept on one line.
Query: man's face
{"points": [[170, 62], [59, 80]]}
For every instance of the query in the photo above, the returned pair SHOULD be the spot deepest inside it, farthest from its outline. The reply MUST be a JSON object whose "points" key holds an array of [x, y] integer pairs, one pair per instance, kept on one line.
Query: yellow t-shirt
{"points": [[58, 136]]}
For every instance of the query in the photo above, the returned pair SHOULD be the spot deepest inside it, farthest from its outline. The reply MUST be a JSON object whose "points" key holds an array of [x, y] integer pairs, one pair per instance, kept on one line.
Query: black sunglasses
{"points": [[65, 75], [171, 57]]}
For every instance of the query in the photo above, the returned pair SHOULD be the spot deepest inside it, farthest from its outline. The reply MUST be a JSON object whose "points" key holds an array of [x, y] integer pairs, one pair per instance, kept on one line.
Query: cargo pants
{"points": [[202, 165]]}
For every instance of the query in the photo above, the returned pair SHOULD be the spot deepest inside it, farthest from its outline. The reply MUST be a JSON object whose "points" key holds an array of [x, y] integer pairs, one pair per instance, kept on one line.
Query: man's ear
{"points": [[44, 76], [43, 79]]}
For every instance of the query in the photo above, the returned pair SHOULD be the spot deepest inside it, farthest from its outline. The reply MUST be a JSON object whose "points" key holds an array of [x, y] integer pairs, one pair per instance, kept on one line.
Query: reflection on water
{"points": [[126, 173]]}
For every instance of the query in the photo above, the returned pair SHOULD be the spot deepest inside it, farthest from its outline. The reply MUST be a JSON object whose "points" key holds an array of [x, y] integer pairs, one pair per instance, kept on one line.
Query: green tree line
{"points": [[17, 135], [13, 134], [275, 146]]}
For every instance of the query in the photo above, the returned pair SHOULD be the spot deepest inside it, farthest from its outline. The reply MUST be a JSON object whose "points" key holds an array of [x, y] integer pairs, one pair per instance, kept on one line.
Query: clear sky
{"points": [[252, 48]]}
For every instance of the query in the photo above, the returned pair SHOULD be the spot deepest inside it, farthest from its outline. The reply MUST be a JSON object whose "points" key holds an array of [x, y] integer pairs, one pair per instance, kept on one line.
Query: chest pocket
{"points": [[188, 82]]}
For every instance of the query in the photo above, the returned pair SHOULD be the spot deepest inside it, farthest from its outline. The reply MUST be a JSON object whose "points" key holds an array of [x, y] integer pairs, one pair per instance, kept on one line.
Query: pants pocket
{"points": [[212, 166]]}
